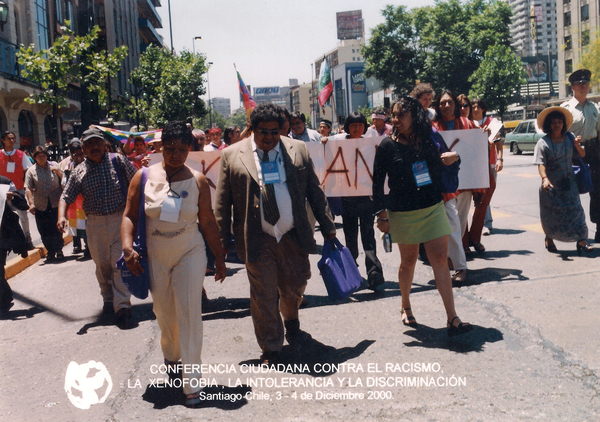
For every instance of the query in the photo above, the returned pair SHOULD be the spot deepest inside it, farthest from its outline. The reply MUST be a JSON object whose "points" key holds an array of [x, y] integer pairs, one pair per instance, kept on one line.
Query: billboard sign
{"points": [[358, 81], [269, 90], [538, 69], [349, 25]]}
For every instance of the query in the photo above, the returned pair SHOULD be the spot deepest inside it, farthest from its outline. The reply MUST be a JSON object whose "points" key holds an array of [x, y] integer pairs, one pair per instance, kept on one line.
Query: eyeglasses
{"points": [[464, 106], [446, 103], [268, 132], [582, 83]]}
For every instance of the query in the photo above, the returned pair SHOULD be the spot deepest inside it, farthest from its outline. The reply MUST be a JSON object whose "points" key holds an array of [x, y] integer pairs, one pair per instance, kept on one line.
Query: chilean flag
{"points": [[325, 84], [249, 103]]}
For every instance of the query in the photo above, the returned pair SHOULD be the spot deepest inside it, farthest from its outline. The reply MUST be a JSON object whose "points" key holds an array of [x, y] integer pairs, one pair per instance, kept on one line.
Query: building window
{"points": [[64, 12], [568, 66], [585, 12], [566, 1], [568, 42], [585, 37], [41, 22], [567, 18]]}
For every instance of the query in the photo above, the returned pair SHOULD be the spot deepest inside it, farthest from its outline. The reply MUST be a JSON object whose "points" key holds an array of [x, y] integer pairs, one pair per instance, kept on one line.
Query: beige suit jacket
{"points": [[238, 197]]}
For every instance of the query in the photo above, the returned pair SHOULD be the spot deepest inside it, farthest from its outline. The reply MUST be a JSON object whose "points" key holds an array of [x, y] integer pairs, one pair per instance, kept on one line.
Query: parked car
{"points": [[524, 137]]}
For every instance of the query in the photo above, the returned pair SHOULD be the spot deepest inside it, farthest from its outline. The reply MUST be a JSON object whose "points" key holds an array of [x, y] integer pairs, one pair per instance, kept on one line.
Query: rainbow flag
{"points": [[249, 102], [121, 135]]}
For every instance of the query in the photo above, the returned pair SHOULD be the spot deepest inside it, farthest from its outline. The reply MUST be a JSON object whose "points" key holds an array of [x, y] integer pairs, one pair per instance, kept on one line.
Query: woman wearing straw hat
{"points": [[561, 213]]}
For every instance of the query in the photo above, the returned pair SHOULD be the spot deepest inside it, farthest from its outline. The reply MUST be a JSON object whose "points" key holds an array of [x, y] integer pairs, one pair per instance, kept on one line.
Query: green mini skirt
{"points": [[419, 226]]}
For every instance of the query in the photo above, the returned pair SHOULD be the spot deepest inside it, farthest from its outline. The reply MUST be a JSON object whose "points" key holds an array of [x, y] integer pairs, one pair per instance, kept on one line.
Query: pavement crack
{"points": [[571, 366]]}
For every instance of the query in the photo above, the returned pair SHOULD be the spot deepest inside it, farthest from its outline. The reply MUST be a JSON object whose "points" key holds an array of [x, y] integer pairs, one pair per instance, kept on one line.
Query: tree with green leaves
{"points": [[441, 44], [456, 37], [498, 75], [215, 118], [392, 54], [171, 85], [591, 60], [238, 119], [72, 59]]}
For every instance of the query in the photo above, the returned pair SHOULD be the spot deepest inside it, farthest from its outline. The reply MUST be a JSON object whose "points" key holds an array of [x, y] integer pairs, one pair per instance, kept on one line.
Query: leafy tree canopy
{"points": [[171, 85], [72, 59], [442, 44], [499, 74]]}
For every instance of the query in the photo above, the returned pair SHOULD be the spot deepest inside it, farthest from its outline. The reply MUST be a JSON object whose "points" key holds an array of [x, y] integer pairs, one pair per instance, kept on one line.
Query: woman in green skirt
{"points": [[413, 212]]}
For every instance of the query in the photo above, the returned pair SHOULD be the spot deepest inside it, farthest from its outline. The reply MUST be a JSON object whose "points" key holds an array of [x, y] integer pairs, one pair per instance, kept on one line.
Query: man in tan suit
{"points": [[265, 181]]}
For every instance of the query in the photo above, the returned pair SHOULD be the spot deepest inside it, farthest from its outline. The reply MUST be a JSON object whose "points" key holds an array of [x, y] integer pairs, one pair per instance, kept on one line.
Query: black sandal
{"points": [[410, 320], [462, 328]]}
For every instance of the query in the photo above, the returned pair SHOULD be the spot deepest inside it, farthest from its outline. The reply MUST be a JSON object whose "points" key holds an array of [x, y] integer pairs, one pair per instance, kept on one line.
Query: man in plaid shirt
{"points": [[104, 191]]}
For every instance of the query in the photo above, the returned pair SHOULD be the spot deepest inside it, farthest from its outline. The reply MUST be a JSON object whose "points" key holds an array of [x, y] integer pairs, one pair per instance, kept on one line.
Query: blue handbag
{"points": [[138, 285], [583, 175], [338, 270]]}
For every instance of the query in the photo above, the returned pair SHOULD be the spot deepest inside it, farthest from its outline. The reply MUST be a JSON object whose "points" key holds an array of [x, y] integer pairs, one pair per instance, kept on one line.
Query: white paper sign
{"points": [[472, 146]]}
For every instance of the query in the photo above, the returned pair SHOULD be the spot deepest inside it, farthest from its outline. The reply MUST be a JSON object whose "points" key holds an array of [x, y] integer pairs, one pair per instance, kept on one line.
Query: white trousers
{"points": [[456, 252]]}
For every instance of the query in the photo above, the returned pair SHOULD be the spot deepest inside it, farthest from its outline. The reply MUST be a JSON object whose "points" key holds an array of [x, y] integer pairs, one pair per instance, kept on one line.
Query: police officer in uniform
{"points": [[586, 123]]}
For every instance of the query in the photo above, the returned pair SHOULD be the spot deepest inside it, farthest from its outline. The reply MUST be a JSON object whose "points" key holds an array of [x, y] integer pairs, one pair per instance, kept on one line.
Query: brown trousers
{"points": [[283, 269]]}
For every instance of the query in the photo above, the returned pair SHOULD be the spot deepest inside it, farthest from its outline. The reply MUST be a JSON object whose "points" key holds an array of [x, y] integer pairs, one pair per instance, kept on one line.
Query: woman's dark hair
{"points": [[420, 89], [266, 113], [436, 105], [227, 134], [548, 122], [355, 117], [4, 135], [39, 150], [481, 105], [177, 130], [420, 121], [459, 99]]}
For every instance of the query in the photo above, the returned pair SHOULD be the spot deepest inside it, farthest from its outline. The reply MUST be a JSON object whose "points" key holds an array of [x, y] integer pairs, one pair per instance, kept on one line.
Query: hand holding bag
{"points": [[583, 175], [338, 270], [138, 285]]}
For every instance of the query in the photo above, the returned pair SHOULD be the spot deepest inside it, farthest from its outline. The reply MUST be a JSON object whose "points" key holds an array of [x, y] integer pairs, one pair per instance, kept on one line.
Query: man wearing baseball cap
{"points": [[103, 181], [586, 123]]}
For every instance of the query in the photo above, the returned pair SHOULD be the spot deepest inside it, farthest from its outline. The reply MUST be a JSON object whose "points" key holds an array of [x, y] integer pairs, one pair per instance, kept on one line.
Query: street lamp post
{"points": [[3, 14], [194, 44], [209, 104], [171, 28]]}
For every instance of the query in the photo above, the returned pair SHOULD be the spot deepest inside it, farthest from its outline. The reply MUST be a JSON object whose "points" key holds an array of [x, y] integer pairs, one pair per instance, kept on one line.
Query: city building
{"points": [[346, 51], [533, 38], [221, 106], [280, 95], [578, 24], [301, 98], [30, 22]]}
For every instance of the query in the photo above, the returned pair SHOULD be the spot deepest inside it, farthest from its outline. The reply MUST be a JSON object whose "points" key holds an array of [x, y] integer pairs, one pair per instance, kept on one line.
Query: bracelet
{"points": [[544, 178], [127, 258], [382, 219], [500, 159]]}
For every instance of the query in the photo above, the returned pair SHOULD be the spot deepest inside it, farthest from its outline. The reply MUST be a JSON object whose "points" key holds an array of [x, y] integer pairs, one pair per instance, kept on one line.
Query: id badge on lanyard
{"points": [[10, 167], [170, 209], [421, 173], [270, 172]]}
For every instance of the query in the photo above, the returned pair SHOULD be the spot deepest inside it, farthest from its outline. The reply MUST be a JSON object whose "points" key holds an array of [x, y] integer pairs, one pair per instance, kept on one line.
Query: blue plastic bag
{"points": [[338, 270]]}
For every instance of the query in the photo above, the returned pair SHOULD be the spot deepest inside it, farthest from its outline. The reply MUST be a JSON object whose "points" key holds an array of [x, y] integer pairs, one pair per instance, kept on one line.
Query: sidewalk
{"points": [[17, 264]]}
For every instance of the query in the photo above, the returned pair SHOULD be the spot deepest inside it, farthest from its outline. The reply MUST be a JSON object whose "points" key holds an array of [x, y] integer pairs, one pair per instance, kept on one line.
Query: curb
{"points": [[18, 264]]}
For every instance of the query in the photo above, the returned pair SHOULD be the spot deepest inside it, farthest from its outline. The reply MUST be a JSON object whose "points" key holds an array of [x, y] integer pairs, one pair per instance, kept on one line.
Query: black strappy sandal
{"points": [[462, 328]]}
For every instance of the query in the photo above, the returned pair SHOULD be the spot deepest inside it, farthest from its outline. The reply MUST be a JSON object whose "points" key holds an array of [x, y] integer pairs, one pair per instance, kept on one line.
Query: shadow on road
{"points": [[219, 396], [311, 357], [437, 338], [142, 312]]}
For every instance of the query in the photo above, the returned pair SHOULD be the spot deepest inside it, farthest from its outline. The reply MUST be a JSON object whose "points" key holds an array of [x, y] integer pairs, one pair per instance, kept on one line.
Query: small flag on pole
{"points": [[325, 84], [249, 103]]}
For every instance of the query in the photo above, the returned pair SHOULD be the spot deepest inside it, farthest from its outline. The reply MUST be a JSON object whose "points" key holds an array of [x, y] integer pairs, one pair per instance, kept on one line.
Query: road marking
{"points": [[537, 227], [498, 214]]}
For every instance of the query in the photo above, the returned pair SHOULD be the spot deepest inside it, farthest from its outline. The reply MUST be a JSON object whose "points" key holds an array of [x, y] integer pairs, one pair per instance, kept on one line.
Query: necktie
{"points": [[269, 202]]}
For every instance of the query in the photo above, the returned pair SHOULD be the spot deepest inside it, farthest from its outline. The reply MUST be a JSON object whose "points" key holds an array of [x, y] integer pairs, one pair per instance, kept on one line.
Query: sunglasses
{"points": [[269, 132], [464, 106]]}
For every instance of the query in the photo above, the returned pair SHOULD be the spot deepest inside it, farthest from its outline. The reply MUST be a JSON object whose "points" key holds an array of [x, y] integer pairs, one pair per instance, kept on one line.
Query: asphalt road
{"points": [[533, 354]]}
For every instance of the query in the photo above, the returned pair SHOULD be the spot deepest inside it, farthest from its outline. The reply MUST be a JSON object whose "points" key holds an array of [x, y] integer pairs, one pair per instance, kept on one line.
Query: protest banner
{"points": [[345, 167]]}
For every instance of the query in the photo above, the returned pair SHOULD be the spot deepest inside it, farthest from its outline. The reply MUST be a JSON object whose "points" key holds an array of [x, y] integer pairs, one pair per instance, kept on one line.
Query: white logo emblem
{"points": [[87, 384]]}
